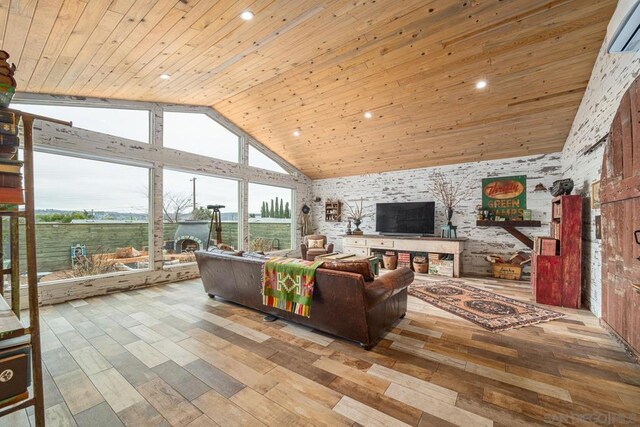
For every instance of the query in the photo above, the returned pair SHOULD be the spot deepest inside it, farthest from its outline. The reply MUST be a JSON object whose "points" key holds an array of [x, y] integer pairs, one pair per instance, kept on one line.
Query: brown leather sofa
{"points": [[343, 303]]}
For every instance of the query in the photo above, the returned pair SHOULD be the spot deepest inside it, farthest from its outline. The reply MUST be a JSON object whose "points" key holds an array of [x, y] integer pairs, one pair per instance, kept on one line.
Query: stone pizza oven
{"points": [[191, 236]]}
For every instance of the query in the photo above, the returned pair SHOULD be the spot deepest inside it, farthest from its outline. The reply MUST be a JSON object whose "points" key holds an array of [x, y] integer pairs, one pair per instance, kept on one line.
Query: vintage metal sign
{"points": [[505, 196]]}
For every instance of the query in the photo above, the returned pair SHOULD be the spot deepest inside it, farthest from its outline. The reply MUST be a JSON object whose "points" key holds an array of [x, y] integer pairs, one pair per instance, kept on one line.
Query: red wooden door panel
{"points": [[620, 196]]}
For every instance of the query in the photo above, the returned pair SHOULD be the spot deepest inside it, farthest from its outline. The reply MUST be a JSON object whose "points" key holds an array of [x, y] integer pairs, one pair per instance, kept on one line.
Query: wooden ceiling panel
{"points": [[318, 65]]}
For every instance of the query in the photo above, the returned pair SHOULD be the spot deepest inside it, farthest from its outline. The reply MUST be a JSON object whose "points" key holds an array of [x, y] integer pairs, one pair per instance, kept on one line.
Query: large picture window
{"points": [[199, 134], [92, 217], [186, 217], [130, 124], [270, 212]]}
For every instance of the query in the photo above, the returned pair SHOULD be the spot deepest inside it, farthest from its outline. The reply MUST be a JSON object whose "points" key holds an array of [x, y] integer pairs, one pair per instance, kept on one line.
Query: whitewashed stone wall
{"points": [[410, 185], [611, 76]]}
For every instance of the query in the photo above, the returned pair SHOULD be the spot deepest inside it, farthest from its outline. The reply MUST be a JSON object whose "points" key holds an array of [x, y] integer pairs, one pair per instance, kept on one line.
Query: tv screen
{"points": [[405, 218]]}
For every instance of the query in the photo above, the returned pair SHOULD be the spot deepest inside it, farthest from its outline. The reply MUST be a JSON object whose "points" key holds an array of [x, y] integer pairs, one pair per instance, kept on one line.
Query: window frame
{"points": [[93, 145], [206, 112]]}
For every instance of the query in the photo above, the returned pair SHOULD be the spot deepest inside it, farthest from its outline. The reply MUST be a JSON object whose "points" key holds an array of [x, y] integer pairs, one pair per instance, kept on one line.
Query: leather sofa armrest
{"points": [[387, 286], [330, 248], [303, 250]]}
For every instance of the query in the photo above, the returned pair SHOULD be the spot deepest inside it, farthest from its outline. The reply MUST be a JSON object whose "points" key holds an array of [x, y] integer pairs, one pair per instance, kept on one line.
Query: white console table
{"points": [[363, 244]]}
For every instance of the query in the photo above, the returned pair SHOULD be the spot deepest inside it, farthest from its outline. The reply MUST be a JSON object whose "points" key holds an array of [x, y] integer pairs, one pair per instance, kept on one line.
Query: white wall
{"points": [[410, 185], [611, 76]]}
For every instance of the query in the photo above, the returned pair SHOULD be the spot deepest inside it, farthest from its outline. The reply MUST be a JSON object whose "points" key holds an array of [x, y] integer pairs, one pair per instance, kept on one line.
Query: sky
{"points": [[70, 183]]}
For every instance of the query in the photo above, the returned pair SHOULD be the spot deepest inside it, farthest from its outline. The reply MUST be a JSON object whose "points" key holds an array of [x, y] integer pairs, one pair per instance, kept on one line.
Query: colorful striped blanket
{"points": [[287, 284]]}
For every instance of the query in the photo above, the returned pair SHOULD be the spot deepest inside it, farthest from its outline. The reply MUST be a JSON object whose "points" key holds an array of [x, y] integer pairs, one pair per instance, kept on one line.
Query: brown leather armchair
{"points": [[310, 254]]}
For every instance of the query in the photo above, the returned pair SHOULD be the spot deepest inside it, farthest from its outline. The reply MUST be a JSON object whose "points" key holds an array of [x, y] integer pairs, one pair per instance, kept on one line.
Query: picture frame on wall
{"points": [[595, 195]]}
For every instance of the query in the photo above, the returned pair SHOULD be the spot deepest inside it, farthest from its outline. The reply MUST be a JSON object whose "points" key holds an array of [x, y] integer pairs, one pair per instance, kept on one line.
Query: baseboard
{"points": [[635, 354]]}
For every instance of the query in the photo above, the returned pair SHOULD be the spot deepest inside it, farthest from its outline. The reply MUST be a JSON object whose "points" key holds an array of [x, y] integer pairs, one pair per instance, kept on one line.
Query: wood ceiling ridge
{"points": [[507, 21], [200, 48]]}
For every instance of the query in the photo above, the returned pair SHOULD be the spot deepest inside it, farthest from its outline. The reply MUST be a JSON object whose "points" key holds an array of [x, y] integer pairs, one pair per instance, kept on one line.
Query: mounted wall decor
{"points": [[505, 197]]}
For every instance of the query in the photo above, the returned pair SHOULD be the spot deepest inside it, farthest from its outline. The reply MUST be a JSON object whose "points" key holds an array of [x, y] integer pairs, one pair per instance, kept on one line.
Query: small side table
{"points": [[449, 232]]}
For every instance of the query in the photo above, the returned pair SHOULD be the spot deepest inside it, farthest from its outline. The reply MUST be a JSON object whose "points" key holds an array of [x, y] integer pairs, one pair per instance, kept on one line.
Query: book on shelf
{"points": [[11, 196], [8, 129], [10, 165], [13, 180], [547, 246], [9, 140]]}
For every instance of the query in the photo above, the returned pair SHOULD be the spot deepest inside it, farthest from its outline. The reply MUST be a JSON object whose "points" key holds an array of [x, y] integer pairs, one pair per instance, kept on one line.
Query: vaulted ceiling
{"points": [[317, 65]]}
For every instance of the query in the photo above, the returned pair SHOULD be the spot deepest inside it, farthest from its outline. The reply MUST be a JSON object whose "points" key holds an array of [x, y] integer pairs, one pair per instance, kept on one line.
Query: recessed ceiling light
{"points": [[368, 115], [165, 76], [296, 133], [247, 15], [481, 84]]}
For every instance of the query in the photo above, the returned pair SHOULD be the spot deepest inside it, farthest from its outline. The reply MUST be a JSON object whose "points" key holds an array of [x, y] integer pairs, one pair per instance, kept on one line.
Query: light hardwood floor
{"points": [[169, 355]]}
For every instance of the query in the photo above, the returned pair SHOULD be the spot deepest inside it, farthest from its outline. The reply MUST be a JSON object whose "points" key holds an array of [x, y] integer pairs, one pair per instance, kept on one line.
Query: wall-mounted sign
{"points": [[505, 196]]}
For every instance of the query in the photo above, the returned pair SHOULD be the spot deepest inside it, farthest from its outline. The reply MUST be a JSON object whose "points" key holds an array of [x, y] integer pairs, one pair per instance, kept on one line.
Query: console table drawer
{"points": [[356, 250], [381, 243], [355, 241]]}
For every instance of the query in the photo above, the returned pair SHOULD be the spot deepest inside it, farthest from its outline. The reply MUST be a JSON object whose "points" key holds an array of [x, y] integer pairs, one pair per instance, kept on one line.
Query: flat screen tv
{"points": [[405, 218]]}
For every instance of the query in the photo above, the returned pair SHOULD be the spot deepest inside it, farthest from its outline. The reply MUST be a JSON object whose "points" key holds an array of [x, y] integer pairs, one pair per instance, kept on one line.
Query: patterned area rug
{"points": [[491, 311]]}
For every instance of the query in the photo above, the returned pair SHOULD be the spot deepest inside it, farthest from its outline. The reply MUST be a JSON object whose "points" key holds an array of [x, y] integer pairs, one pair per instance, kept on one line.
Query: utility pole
{"points": [[194, 192]]}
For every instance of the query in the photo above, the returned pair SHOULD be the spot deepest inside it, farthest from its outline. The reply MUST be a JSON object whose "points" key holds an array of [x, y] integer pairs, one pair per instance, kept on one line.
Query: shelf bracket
{"points": [[518, 235]]}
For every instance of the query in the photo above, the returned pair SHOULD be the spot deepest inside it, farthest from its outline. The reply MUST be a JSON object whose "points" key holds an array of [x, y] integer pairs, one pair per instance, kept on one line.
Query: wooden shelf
{"points": [[486, 223], [510, 227], [10, 325]]}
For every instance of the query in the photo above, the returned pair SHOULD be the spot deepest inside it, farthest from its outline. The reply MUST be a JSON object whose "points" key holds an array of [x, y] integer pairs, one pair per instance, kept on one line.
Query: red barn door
{"points": [[620, 198]]}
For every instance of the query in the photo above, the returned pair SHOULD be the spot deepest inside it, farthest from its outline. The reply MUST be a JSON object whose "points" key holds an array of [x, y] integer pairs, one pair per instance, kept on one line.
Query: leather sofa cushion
{"points": [[358, 267]]}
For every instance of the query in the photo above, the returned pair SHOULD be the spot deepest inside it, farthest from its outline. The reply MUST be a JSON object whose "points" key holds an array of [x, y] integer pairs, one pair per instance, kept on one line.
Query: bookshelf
{"points": [[556, 264], [333, 211], [20, 348]]}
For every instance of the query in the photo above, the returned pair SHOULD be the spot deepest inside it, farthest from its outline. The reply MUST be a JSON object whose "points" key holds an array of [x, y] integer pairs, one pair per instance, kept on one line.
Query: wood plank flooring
{"points": [[169, 355]]}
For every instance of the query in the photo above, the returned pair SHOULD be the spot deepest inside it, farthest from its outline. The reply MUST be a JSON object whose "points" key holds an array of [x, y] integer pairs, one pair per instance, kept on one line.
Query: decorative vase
{"points": [[449, 215], [357, 223], [420, 265], [390, 261]]}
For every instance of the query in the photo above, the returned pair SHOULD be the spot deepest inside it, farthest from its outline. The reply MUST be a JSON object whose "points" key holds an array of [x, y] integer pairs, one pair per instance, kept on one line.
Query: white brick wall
{"points": [[410, 185]]}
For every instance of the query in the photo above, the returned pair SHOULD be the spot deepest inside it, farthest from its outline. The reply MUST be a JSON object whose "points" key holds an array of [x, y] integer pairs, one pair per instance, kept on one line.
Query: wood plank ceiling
{"points": [[317, 65]]}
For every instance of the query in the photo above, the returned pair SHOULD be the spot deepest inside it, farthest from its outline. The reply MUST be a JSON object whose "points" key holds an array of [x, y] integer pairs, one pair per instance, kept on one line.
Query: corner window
{"points": [[199, 134]]}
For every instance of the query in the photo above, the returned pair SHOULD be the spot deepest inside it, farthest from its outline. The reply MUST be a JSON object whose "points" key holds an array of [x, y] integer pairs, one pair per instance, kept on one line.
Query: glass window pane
{"points": [[199, 134], [260, 160], [269, 218], [92, 217], [187, 229], [130, 124]]}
